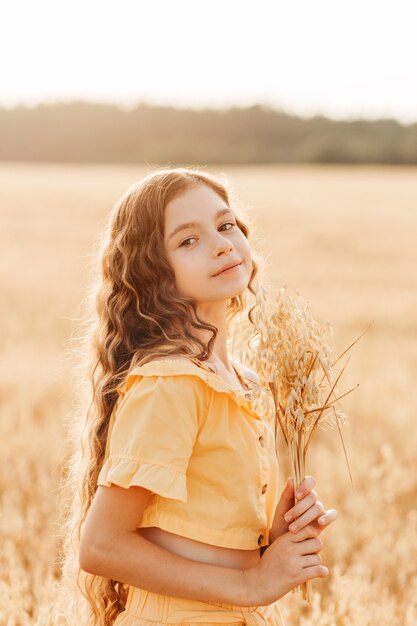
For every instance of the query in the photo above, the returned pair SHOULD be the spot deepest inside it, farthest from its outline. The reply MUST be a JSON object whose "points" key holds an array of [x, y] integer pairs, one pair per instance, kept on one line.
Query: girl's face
{"points": [[201, 237]]}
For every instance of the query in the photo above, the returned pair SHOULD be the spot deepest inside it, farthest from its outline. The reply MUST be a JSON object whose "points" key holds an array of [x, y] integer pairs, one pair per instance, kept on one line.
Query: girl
{"points": [[178, 496]]}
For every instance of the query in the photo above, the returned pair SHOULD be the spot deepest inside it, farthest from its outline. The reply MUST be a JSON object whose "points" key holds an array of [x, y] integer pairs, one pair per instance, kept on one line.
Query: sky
{"points": [[343, 59]]}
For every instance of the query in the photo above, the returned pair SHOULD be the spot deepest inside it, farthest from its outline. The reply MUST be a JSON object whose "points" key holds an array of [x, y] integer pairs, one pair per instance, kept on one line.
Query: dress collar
{"points": [[173, 367]]}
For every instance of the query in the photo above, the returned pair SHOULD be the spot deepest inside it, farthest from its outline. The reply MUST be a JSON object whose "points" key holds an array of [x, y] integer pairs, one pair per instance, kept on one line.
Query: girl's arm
{"points": [[111, 547]]}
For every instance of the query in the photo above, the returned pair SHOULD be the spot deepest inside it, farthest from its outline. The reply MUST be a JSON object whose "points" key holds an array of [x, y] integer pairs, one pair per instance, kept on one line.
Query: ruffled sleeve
{"points": [[152, 433]]}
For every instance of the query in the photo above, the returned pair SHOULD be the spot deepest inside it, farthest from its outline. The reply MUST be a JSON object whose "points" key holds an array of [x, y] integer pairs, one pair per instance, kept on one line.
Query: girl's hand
{"points": [[291, 560], [306, 510]]}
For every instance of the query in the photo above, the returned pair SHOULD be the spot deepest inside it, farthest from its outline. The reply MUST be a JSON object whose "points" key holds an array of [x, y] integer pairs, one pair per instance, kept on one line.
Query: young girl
{"points": [[178, 496]]}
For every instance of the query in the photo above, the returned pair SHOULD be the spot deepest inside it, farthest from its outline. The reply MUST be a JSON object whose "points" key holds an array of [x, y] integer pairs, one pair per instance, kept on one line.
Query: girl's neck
{"points": [[221, 362], [232, 372], [216, 315]]}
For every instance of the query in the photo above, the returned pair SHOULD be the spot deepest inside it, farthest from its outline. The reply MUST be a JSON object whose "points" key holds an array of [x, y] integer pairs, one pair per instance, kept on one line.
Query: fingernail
{"points": [[293, 527], [322, 519], [299, 493], [288, 517]]}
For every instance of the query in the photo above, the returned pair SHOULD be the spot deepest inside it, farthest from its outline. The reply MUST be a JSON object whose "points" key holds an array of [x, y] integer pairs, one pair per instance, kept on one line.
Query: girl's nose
{"points": [[221, 244]]}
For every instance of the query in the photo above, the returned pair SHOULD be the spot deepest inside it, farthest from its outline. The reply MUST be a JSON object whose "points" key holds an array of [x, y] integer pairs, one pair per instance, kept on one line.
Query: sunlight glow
{"points": [[340, 59]]}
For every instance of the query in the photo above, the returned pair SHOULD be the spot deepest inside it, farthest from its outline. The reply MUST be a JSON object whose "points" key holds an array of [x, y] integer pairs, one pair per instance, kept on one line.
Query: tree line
{"points": [[86, 132]]}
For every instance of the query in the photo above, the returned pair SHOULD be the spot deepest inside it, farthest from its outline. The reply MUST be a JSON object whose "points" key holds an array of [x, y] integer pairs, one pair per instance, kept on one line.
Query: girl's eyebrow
{"points": [[192, 224]]}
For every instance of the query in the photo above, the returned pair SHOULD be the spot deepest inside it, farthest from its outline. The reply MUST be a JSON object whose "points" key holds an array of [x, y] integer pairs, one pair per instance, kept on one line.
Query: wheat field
{"points": [[344, 236]]}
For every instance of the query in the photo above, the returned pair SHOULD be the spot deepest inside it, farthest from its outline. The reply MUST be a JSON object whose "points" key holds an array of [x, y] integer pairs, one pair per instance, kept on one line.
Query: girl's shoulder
{"points": [[191, 378], [243, 369], [166, 368]]}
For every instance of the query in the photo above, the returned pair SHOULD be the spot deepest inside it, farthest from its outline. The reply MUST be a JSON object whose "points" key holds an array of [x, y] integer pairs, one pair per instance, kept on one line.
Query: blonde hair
{"points": [[134, 313]]}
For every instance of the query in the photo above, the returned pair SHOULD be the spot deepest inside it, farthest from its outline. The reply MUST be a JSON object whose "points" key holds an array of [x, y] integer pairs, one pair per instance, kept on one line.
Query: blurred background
{"points": [[310, 109]]}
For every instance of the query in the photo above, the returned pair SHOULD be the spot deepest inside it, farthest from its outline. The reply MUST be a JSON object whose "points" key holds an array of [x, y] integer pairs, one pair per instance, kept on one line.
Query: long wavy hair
{"points": [[133, 314]]}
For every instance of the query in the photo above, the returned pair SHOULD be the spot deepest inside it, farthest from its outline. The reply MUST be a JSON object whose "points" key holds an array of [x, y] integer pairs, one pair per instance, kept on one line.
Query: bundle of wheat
{"points": [[293, 357]]}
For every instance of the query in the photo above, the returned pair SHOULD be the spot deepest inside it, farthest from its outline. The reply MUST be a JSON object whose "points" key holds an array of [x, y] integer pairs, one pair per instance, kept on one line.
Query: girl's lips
{"points": [[230, 270]]}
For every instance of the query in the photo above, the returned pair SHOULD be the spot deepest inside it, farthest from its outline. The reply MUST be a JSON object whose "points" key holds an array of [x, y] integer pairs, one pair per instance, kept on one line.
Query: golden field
{"points": [[346, 237]]}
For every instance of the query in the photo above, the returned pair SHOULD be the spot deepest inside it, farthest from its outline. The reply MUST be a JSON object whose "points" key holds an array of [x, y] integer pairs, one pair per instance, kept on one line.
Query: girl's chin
{"points": [[224, 297]]}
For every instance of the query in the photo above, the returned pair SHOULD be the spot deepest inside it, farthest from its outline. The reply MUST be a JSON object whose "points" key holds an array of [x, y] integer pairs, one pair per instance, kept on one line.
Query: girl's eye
{"points": [[190, 238], [185, 240], [231, 224]]}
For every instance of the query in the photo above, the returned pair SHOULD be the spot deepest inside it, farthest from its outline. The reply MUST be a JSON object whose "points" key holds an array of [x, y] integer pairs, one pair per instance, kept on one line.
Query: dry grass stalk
{"points": [[293, 358]]}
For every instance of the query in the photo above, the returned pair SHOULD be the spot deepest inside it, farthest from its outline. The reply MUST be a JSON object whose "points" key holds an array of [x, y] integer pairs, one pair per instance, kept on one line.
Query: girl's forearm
{"points": [[134, 560]]}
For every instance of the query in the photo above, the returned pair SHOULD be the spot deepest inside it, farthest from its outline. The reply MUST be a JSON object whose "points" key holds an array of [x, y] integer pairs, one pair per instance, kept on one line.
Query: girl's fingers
{"points": [[306, 486], [287, 495], [311, 559], [310, 515], [301, 506], [328, 517], [310, 546], [289, 488], [316, 571], [307, 532]]}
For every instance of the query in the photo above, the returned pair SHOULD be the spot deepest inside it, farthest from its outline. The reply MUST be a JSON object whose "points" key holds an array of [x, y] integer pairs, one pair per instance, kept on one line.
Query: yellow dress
{"points": [[209, 460]]}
